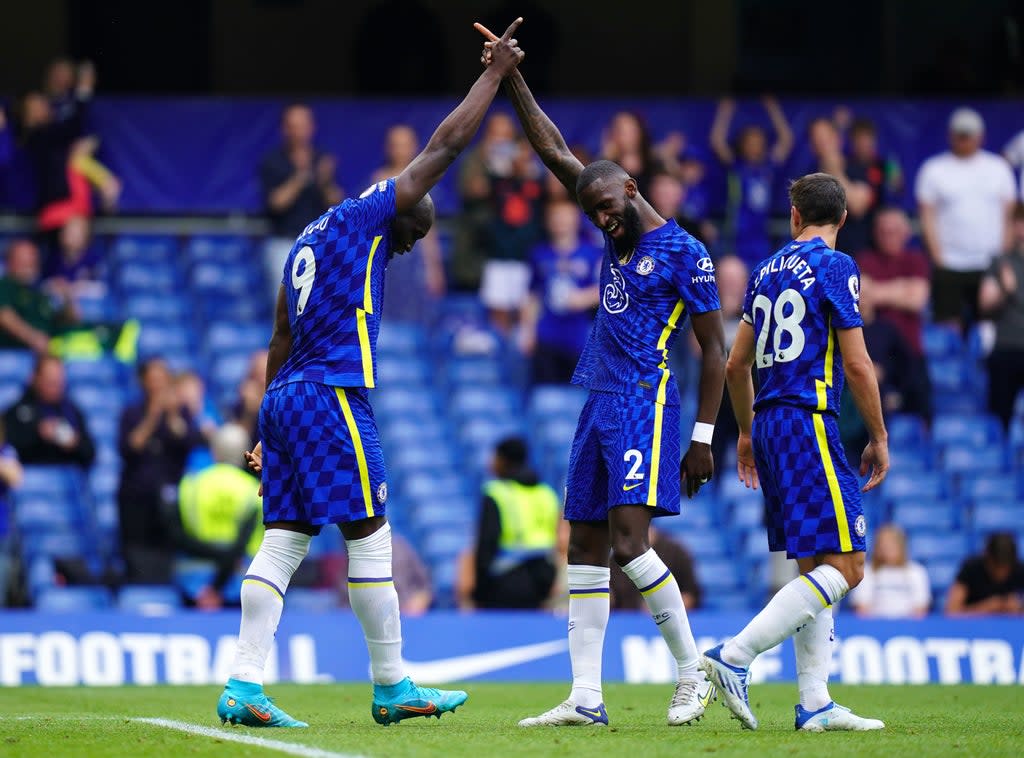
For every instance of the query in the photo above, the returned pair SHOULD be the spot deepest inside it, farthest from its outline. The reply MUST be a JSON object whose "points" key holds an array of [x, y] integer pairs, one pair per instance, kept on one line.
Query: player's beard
{"points": [[632, 230]]}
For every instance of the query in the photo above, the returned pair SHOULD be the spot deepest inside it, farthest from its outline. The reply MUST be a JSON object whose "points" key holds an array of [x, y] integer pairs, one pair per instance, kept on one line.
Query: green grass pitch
{"points": [[921, 721]]}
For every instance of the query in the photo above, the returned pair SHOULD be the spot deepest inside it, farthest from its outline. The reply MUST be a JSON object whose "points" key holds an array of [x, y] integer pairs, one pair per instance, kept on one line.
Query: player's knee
{"points": [[583, 554], [626, 548], [852, 569]]}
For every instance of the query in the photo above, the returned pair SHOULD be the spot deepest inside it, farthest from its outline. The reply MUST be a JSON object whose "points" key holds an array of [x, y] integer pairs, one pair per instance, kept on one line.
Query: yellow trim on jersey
{"points": [[816, 591], [821, 386], [659, 406], [357, 443], [845, 542], [361, 328]]}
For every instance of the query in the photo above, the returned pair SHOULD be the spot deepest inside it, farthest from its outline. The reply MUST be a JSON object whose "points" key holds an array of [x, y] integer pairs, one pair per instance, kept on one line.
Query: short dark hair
{"points": [[599, 170], [1001, 549], [819, 197], [513, 451], [864, 125]]}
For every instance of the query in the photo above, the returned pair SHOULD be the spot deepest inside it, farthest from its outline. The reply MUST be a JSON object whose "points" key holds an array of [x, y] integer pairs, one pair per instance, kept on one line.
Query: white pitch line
{"points": [[292, 748]]}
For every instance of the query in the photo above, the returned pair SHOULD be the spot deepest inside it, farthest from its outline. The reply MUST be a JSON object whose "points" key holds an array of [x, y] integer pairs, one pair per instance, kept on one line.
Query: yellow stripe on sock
{"points": [[581, 595], [360, 585], [265, 586], [815, 590], [658, 586]]}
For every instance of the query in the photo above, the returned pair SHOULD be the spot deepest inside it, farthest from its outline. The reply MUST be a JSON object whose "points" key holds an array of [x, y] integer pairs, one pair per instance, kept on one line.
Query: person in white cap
{"points": [[965, 197]]}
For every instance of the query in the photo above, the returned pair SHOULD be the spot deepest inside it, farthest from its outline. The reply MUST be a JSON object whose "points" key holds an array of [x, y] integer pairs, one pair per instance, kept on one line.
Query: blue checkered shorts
{"points": [[322, 462], [812, 496], [626, 452]]}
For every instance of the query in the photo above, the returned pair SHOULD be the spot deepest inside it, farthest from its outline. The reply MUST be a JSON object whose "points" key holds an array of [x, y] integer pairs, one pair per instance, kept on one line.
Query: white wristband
{"points": [[703, 433]]}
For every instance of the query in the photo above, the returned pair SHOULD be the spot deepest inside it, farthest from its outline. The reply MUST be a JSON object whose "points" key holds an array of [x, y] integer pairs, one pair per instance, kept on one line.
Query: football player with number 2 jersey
{"points": [[802, 332], [319, 454], [625, 465]]}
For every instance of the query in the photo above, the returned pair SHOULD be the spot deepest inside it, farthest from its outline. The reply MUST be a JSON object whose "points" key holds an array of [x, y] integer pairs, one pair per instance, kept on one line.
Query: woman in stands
{"points": [[894, 586]]}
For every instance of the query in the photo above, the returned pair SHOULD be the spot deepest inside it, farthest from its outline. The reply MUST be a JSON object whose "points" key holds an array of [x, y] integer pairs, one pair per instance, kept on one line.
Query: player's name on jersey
{"points": [[794, 263]]}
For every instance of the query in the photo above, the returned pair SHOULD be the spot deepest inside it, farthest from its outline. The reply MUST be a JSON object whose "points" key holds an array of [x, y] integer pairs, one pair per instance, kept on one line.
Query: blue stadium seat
{"points": [[471, 402], [410, 430], [16, 366], [920, 484], [403, 401], [966, 431], [167, 308], [747, 512], [103, 371], [306, 600], [906, 430], [34, 514], [434, 486], [443, 544], [416, 458], [55, 482], [915, 458], [226, 336], [73, 599], [700, 513], [400, 340], [725, 602], [479, 371], [55, 544], [219, 248], [988, 485], [145, 248], [159, 339], [969, 460], [406, 371], [958, 402], [947, 374], [149, 600], [481, 434], [10, 393], [924, 513], [556, 431], [448, 512], [929, 546], [718, 576], [98, 307], [97, 398], [730, 487], [941, 342], [941, 575], [40, 574], [556, 401], [703, 544], [213, 278], [149, 277], [996, 515]]}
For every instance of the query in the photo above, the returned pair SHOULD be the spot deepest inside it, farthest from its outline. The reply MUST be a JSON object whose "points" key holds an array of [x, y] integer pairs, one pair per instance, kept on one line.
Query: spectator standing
{"points": [[752, 169], [298, 183], [516, 226], [28, 318], [893, 585], [895, 289], [246, 410], [221, 516], [412, 272], [193, 398], [410, 574], [991, 583], [10, 478], [965, 197], [626, 597], [517, 534], [627, 142], [875, 182], [155, 438], [1002, 298], [668, 196], [490, 158], [76, 266], [556, 318], [45, 426], [1013, 152]]}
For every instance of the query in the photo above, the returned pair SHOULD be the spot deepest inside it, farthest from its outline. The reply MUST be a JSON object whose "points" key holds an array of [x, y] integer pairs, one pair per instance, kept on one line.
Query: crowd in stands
{"points": [[517, 271]]}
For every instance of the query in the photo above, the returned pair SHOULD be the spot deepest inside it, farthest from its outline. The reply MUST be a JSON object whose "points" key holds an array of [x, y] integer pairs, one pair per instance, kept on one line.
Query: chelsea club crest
{"points": [[382, 493], [860, 525], [645, 265]]}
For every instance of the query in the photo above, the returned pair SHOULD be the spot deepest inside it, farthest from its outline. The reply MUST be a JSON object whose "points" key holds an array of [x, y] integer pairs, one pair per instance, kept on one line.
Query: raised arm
{"points": [[719, 136], [544, 136], [783, 134], [455, 132]]}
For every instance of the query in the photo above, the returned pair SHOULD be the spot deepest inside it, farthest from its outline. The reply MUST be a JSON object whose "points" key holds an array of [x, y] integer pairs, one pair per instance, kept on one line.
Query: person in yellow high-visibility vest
{"points": [[221, 515], [517, 533]]}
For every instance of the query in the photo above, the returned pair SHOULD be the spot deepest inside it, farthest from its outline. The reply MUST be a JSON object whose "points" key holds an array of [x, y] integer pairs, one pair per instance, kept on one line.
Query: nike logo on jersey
{"points": [[628, 487], [259, 713]]}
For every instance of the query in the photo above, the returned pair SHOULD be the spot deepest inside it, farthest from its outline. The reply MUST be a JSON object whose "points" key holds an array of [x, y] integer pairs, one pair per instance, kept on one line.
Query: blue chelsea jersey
{"points": [[334, 280], [644, 301], [796, 300]]}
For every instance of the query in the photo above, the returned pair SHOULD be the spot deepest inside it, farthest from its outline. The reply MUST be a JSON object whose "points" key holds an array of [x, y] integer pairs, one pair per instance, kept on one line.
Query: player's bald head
{"points": [[412, 225], [423, 211], [605, 171]]}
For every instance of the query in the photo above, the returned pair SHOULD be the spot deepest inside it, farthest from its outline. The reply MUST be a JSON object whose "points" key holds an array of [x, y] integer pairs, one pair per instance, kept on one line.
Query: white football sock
{"points": [[792, 607], [371, 593], [813, 644], [661, 593], [263, 590], [588, 618]]}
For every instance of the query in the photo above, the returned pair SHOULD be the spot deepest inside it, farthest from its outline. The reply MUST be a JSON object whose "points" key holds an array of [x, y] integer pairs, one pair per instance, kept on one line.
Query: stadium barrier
{"points": [[189, 648]]}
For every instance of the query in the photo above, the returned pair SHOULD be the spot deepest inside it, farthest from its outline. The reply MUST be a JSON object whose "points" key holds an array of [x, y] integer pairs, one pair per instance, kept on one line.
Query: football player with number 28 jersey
{"points": [[802, 332]]}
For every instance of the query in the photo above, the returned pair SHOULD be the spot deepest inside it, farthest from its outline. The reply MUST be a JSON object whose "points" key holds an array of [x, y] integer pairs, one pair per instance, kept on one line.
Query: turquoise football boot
{"points": [[405, 700], [245, 703]]}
